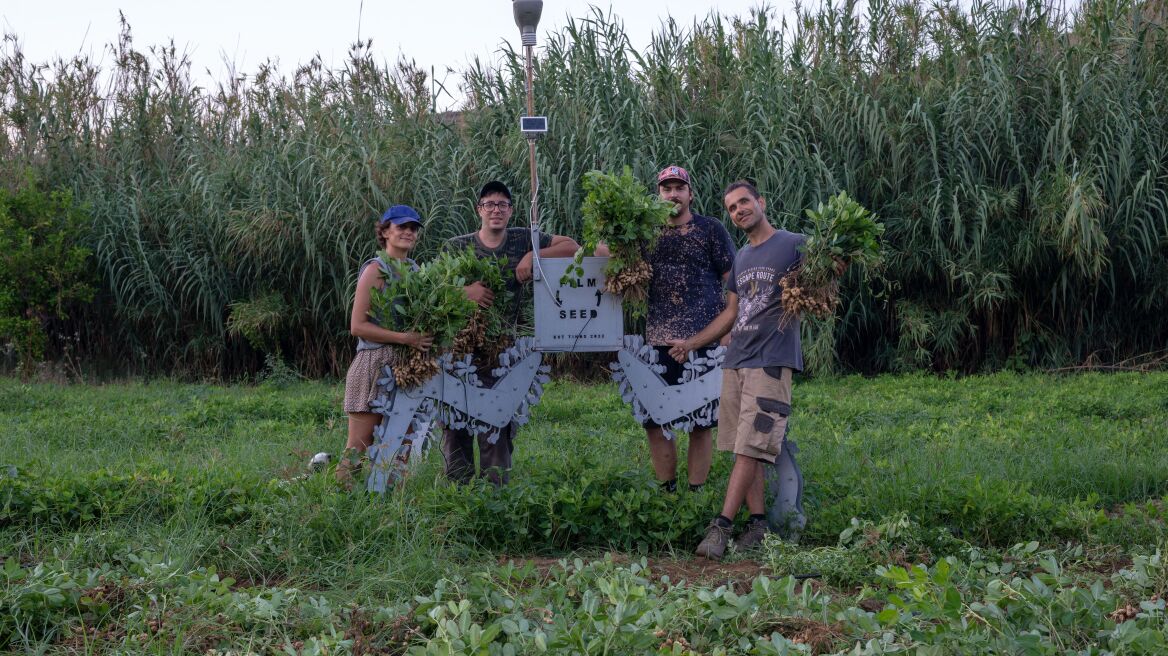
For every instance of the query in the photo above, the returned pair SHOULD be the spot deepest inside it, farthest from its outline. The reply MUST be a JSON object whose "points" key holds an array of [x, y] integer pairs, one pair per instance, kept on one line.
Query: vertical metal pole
{"points": [[534, 216]]}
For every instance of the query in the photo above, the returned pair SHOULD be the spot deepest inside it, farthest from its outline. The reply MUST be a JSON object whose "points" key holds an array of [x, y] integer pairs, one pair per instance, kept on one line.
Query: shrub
{"points": [[44, 269]]}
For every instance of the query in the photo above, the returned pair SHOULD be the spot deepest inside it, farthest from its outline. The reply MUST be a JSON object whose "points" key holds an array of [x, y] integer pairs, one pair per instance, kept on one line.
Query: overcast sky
{"points": [[439, 33]]}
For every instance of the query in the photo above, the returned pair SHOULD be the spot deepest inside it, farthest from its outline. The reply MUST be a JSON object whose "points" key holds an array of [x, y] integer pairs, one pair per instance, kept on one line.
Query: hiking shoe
{"points": [[752, 535], [714, 544]]}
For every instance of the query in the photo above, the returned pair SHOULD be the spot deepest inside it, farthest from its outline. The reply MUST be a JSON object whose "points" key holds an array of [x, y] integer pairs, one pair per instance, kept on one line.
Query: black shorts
{"points": [[674, 371]]}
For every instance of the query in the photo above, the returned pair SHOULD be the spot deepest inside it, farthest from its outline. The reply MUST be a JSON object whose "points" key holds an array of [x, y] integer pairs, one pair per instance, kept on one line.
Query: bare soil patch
{"points": [[738, 574]]}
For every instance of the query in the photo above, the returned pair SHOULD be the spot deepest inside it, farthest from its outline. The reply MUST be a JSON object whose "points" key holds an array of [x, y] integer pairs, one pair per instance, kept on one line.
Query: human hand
{"points": [[679, 349], [523, 269], [420, 341], [480, 293]]}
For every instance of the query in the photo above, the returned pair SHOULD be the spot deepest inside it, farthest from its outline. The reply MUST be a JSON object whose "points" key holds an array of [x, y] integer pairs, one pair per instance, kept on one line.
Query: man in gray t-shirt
{"points": [[756, 374], [754, 341]]}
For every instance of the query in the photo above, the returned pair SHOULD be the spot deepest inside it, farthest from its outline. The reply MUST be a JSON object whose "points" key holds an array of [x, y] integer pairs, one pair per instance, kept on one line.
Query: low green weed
{"points": [[923, 489]]}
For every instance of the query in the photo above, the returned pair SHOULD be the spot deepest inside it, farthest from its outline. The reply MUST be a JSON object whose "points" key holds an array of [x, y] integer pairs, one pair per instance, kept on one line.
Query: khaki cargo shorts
{"points": [[752, 417]]}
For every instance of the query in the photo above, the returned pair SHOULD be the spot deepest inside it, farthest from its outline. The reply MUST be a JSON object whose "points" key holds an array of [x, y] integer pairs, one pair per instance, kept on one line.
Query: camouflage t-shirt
{"points": [[685, 293], [516, 244]]}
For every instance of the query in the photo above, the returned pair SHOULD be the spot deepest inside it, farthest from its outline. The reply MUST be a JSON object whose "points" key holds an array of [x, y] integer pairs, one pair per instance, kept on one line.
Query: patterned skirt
{"points": [[361, 381]]}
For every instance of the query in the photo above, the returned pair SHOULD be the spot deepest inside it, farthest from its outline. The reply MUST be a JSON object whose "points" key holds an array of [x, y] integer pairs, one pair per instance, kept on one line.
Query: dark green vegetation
{"points": [[840, 234], [1015, 154], [44, 267], [430, 301], [1007, 513]]}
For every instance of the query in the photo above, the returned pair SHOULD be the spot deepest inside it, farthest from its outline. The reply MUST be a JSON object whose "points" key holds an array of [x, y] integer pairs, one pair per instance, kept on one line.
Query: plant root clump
{"points": [[471, 337], [473, 340], [798, 297], [487, 355], [632, 282], [413, 367]]}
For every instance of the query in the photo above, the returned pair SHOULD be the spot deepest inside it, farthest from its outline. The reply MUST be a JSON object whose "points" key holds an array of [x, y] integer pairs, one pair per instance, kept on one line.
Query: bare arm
{"points": [[361, 326], [479, 293], [560, 246], [721, 325], [725, 341]]}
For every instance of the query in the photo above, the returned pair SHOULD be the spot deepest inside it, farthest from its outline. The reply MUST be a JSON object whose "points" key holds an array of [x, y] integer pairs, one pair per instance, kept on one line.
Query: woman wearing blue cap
{"points": [[397, 234]]}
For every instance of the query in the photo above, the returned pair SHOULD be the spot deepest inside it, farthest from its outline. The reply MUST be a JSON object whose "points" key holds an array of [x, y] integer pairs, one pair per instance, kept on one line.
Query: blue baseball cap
{"points": [[399, 214]]}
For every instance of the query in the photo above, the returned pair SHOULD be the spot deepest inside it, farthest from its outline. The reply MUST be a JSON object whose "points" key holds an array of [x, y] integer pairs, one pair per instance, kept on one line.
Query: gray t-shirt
{"points": [[756, 340]]}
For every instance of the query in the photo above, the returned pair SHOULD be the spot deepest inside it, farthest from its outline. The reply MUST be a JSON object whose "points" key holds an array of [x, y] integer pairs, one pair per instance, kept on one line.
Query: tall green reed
{"points": [[1016, 153]]}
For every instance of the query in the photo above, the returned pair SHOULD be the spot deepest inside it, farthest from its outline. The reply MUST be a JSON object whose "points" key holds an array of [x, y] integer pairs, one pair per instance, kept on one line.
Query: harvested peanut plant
{"points": [[620, 213]]}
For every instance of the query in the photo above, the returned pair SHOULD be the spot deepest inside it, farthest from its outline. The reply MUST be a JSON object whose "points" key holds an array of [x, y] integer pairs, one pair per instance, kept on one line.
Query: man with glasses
{"points": [[495, 239]]}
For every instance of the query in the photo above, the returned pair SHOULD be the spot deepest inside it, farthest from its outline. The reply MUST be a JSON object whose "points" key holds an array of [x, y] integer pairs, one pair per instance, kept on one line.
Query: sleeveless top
{"points": [[389, 274]]}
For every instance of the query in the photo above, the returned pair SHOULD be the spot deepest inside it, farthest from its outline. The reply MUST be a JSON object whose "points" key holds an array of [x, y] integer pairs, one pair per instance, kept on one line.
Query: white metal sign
{"points": [[576, 315]]}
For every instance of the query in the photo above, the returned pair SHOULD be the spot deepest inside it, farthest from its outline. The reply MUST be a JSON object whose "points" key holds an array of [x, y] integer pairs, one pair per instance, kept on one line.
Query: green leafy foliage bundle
{"points": [[490, 329], [840, 234], [430, 301], [618, 212], [44, 268]]}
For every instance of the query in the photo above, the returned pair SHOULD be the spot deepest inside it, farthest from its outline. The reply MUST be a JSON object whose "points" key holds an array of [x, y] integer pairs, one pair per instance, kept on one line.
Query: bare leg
{"points": [[741, 485], [701, 452], [361, 425], [755, 501], [663, 453]]}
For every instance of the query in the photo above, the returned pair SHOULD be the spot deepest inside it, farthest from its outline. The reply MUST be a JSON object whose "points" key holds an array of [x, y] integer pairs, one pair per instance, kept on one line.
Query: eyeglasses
{"points": [[495, 205]]}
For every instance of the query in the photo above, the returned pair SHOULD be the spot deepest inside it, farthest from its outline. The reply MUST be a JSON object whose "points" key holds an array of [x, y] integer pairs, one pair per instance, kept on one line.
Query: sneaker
{"points": [[319, 461], [752, 535], [714, 544]]}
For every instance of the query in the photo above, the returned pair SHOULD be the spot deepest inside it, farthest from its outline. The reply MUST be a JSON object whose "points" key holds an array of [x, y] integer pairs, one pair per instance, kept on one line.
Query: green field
{"points": [[992, 514]]}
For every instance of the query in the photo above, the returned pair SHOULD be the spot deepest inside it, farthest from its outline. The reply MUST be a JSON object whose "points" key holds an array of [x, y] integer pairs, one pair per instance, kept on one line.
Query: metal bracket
{"points": [[457, 397], [784, 489], [675, 407]]}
